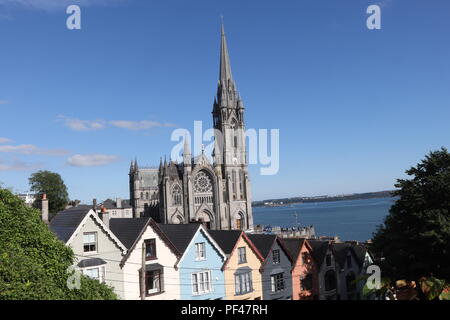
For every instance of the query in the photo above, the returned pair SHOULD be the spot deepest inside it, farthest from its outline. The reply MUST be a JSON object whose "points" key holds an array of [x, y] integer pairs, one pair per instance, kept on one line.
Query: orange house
{"points": [[304, 270]]}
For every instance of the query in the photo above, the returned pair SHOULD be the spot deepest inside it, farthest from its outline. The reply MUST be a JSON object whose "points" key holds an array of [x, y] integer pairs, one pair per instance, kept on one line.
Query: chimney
{"points": [[104, 215], [94, 205], [118, 203], [44, 209]]}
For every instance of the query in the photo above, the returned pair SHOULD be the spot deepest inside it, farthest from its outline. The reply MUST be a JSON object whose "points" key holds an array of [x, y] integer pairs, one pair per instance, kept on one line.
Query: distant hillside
{"points": [[354, 196]]}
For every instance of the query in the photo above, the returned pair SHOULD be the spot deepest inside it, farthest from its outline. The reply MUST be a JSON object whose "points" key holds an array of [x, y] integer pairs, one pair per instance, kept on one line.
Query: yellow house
{"points": [[241, 269]]}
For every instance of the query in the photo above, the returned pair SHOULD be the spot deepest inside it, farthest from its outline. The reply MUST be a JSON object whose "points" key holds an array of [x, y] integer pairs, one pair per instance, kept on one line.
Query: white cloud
{"points": [[32, 149], [18, 165], [90, 125], [139, 125], [91, 160], [82, 125], [4, 140]]}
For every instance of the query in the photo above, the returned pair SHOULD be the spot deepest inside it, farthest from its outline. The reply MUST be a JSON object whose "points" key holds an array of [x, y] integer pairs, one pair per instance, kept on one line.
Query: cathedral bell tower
{"points": [[230, 150]]}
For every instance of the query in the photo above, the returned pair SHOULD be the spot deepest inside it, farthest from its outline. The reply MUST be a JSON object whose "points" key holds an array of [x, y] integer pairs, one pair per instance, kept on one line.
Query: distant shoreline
{"points": [[297, 200]]}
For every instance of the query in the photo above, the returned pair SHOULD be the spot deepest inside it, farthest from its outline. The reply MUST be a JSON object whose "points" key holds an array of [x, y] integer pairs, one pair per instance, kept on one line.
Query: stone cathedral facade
{"points": [[218, 192]]}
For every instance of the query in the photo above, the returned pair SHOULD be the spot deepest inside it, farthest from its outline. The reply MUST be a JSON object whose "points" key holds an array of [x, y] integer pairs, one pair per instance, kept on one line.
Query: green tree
{"points": [[415, 237], [53, 185], [33, 262]]}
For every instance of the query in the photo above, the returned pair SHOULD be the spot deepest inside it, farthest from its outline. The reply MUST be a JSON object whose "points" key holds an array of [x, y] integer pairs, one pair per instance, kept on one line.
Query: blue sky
{"points": [[355, 107]]}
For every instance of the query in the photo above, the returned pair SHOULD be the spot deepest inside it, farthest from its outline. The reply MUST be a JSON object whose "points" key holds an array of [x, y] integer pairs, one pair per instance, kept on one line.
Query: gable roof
{"points": [[360, 253], [263, 242], [180, 235], [319, 250], [64, 224], [128, 230], [252, 246], [341, 251], [293, 245], [67, 223], [226, 239]]}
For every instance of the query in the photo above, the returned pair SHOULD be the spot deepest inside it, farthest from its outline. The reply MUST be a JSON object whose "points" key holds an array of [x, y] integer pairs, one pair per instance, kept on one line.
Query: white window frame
{"points": [[100, 270], [88, 243], [201, 282], [200, 251]]}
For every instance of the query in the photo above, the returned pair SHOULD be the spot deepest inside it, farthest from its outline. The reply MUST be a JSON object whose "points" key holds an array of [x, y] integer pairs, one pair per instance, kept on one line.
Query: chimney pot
{"points": [[44, 209]]}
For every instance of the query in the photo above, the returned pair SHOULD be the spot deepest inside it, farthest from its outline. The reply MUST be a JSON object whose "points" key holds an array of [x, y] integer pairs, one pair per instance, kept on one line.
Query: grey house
{"points": [[97, 250], [327, 268], [348, 271], [276, 267], [339, 265]]}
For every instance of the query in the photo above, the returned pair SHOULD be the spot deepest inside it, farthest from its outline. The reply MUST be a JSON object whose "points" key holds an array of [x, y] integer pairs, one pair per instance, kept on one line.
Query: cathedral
{"points": [[216, 193]]}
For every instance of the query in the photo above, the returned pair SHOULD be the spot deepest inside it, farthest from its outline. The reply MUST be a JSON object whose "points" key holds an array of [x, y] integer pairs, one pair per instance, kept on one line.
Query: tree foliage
{"points": [[33, 262], [415, 237], [53, 185]]}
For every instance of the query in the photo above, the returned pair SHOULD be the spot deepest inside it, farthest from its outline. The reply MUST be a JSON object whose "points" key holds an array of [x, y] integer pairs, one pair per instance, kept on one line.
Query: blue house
{"points": [[200, 261]]}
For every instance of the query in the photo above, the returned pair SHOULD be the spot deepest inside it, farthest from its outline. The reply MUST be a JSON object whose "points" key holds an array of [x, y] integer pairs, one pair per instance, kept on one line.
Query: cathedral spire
{"points": [[225, 66]]}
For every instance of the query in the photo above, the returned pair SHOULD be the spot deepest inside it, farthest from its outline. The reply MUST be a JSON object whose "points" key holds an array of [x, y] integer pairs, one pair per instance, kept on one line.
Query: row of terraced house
{"points": [[142, 259]]}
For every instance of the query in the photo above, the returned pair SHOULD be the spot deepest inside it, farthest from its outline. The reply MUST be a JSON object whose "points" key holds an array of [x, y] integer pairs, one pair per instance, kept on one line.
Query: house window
{"points": [[277, 282], [142, 196], [306, 282], [150, 249], [97, 273], [153, 282], [243, 283], [201, 282], [276, 256], [350, 280], [328, 260], [349, 261], [242, 256], [200, 251], [90, 242]]}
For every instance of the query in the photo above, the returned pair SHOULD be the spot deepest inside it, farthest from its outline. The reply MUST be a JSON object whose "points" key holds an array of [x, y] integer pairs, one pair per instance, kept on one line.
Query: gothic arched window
{"points": [[350, 280], [240, 222], [330, 280], [176, 195]]}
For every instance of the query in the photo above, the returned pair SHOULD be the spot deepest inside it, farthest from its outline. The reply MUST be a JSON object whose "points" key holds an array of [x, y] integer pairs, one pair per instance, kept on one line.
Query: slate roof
{"points": [[319, 250], [179, 234], [341, 251], [67, 221], [127, 230], [111, 204], [226, 239], [263, 242], [360, 252], [293, 246]]}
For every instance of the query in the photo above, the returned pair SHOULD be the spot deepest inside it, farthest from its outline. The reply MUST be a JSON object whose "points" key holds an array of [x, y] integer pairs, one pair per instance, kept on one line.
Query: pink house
{"points": [[304, 270]]}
